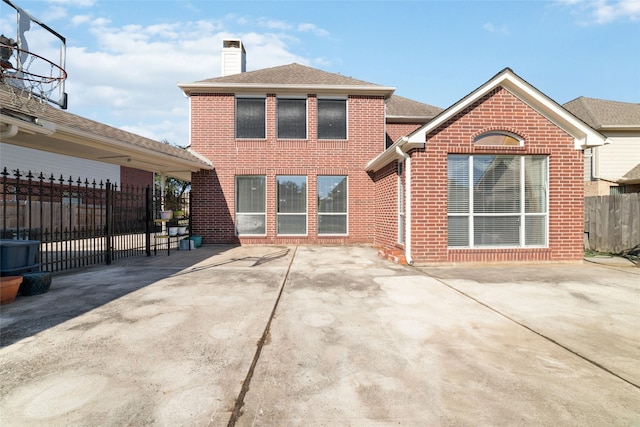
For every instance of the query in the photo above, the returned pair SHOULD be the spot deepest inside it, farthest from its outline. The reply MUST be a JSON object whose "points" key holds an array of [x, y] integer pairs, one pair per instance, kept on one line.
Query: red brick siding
{"points": [[498, 110], [386, 213], [212, 135], [396, 130], [135, 177]]}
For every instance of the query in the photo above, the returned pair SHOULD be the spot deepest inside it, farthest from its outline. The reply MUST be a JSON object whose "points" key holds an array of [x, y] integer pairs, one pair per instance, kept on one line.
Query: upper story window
{"points": [[332, 118], [292, 118], [250, 117], [500, 138]]}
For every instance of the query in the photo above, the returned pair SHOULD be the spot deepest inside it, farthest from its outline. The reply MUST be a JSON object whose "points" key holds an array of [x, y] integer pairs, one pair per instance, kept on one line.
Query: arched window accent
{"points": [[498, 138]]}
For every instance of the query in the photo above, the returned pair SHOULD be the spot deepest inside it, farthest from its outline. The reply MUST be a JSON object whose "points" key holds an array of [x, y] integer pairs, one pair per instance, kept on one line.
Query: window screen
{"points": [[332, 119], [250, 118], [332, 204], [250, 205], [292, 118], [292, 204]]}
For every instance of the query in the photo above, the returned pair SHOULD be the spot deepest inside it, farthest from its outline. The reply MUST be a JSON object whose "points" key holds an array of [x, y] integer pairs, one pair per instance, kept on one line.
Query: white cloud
{"points": [[80, 19], [604, 11], [273, 25], [132, 78], [306, 27], [489, 27]]}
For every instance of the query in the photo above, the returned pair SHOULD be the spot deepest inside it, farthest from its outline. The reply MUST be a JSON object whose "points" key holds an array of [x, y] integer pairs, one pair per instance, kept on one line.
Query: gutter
{"points": [[407, 200]]}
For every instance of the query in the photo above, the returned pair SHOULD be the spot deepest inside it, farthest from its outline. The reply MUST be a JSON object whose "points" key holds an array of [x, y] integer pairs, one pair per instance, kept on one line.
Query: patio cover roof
{"points": [[46, 128]]}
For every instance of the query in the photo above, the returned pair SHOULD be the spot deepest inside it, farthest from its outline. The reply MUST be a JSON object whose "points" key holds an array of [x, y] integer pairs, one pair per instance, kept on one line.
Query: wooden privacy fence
{"points": [[612, 223]]}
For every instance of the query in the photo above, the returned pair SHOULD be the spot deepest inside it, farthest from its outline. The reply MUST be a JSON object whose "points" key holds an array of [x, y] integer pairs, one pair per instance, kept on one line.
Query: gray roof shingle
{"points": [[291, 74], [398, 106], [600, 113], [79, 123]]}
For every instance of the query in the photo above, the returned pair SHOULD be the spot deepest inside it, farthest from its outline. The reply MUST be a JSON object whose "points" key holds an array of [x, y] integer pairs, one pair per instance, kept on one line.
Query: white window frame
{"points": [[401, 204], [237, 214], [280, 214], [345, 213], [498, 132], [521, 214]]}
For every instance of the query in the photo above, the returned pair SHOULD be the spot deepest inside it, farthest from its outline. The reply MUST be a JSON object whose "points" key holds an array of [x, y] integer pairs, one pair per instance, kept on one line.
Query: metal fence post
{"points": [[108, 226], [147, 220]]}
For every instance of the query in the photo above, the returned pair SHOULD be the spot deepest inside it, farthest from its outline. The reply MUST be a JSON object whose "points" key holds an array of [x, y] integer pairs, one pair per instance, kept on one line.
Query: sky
{"points": [[124, 59]]}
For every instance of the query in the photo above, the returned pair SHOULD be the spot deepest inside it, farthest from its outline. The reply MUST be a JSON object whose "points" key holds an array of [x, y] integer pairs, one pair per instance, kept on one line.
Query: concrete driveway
{"points": [[323, 336]]}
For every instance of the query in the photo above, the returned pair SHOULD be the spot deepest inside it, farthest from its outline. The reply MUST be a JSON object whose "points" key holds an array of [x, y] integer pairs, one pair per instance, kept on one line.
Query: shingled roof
{"points": [[403, 109], [603, 114], [93, 133], [286, 78]]}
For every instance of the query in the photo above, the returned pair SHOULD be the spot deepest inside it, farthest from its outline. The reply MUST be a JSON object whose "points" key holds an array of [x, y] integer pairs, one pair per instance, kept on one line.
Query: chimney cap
{"points": [[233, 44]]}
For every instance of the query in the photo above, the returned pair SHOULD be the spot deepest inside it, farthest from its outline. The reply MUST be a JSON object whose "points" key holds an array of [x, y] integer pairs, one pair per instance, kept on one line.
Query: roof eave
{"points": [[409, 119], [191, 88], [391, 154], [584, 136], [156, 161]]}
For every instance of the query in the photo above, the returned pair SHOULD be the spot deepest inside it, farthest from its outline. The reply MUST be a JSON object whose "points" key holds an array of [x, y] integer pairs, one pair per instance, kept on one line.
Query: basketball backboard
{"points": [[32, 57]]}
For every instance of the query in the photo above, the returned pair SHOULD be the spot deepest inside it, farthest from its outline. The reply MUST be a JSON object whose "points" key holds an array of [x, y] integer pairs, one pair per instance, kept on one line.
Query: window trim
{"points": [[306, 113], [522, 215], [306, 212], [478, 138], [235, 118], [345, 213], [346, 116], [236, 213], [402, 220]]}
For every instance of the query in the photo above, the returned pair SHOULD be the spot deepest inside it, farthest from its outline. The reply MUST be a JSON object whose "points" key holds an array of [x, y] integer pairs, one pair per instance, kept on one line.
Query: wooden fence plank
{"points": [[612, 223]]}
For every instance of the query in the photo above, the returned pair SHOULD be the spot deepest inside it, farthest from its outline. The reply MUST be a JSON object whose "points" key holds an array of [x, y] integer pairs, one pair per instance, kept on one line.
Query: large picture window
{"points": [[292, 204], [292, 118], [251, 204], [332, 119], [250, 118], [497, 201], [332, 204]]}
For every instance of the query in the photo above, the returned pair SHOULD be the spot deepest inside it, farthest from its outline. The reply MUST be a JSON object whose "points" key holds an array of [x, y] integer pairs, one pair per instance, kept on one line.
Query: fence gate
{"points": [[78, 222]]}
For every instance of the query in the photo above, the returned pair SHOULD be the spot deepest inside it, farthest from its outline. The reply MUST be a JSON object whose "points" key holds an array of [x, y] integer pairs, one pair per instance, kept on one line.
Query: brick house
{"points": [[302, 156]]}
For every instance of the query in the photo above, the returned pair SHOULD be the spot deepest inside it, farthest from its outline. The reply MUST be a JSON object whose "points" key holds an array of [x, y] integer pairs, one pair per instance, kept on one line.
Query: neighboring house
{"points": [[304, 156], [613, 168], [42, 138]]}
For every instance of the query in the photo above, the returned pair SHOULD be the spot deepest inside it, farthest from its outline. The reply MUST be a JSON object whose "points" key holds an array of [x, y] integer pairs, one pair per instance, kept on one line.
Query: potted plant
{"points": [[166, 214], [9, 286]]}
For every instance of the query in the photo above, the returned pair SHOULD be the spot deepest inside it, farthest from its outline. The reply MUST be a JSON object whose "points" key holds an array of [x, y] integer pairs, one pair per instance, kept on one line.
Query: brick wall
{"points": [[498, 110], [386, 213], [396, 130], [213, 200], [135, 177]]}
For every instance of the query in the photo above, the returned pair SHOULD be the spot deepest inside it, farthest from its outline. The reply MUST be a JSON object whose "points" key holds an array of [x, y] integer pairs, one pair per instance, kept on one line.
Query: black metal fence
{"points": [[82, 222]]}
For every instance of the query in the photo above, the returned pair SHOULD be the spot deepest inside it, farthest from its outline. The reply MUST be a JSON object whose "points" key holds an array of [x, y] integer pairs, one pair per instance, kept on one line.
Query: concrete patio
{"points": [[323, 336]]}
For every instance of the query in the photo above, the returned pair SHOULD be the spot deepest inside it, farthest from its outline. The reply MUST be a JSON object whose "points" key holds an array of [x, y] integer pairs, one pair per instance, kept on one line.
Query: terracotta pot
{"points": [[9, 286]]}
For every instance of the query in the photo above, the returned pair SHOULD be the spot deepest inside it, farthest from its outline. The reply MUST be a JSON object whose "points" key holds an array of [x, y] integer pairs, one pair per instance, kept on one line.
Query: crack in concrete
{"points": [[237, 409], [540, 334]]}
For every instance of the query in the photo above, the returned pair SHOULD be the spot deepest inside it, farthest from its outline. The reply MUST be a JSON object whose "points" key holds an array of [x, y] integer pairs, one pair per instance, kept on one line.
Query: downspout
{"points": [[407, 201], [12, 130]]}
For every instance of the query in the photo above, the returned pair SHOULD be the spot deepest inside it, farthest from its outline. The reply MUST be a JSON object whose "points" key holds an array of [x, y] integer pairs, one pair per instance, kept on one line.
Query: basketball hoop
{"points": [[32, 79]]}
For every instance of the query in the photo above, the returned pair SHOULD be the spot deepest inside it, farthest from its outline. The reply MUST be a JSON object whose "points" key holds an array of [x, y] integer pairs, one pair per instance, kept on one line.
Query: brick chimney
{"points": [[234, 57]]}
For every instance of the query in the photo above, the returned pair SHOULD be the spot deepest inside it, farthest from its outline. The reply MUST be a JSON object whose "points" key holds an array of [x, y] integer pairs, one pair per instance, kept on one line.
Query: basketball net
{"points": [[30, 78]]}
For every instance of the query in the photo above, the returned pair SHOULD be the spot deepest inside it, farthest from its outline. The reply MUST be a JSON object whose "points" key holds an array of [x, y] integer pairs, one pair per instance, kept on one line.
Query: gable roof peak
{"points": [[286, 78]]}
